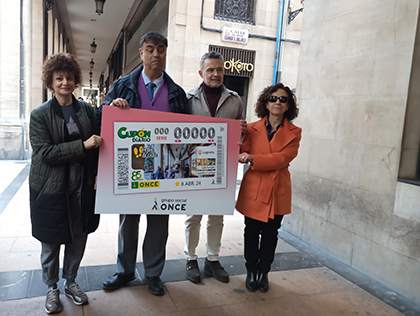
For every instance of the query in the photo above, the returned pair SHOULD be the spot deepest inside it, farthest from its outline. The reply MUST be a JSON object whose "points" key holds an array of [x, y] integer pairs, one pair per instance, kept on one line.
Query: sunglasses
{"points": [[274, 99]]}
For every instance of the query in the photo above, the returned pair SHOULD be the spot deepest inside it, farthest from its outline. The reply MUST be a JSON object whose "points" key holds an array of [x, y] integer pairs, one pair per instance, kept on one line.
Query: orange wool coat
{"points": [[266, 189]]}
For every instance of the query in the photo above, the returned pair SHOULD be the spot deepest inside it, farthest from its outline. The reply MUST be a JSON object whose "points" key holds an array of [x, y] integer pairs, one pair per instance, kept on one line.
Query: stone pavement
{"points": [[303, 281]]}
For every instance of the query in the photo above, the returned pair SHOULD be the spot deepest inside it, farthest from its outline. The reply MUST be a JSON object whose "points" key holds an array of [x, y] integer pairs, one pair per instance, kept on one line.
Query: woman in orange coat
{"points": [[265, 195]]}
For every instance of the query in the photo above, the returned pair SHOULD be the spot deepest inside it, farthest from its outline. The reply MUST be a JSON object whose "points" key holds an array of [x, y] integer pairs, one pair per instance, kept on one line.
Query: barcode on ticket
{"points": [[219, 161], [122, 168]]}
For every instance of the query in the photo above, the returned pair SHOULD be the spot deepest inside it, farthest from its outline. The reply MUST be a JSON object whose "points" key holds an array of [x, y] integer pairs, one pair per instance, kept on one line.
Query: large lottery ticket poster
{"points": [[165, 163]]}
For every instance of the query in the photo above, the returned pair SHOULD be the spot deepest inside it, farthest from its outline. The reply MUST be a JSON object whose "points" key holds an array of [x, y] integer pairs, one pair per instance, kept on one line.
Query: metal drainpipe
{"points": [[279, 43], [22, 90], [283, 34]]}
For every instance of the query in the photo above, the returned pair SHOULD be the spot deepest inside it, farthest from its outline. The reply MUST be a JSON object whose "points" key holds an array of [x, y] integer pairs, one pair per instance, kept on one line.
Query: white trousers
{"points": [[214, 236]]}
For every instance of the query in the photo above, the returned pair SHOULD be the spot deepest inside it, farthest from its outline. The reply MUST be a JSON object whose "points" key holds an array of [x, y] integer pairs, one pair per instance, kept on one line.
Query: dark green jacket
{"points": [[48, 177]]}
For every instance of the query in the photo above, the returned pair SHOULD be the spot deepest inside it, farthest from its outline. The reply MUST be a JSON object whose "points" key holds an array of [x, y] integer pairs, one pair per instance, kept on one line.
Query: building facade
{"points": [[21, 27], [32, 31], [191, 30], [356, 190]]}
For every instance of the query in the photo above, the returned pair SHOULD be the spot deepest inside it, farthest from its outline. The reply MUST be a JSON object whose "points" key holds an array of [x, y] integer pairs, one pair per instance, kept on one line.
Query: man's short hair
{"points": [[155, 38], [210, 55]]}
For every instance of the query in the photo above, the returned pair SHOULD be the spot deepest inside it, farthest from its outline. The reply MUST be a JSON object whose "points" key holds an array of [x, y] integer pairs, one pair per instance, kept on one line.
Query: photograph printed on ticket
{"points": [[159, 157]]}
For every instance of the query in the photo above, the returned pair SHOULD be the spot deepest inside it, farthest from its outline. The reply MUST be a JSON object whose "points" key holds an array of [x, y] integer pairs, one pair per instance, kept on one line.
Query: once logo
{"points": [[145, 184], [173, 207]]}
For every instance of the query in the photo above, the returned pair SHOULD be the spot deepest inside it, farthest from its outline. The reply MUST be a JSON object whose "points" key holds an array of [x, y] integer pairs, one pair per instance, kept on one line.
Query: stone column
{"points": [[10, 125]]}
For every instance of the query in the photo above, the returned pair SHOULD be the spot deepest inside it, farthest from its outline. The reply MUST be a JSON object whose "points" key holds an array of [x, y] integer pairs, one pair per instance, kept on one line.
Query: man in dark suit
{"points": [[147, 87]]}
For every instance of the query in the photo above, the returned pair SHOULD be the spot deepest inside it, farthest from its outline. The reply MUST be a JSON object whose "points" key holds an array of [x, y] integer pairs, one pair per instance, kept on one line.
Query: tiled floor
{"points": [[303, 281]]}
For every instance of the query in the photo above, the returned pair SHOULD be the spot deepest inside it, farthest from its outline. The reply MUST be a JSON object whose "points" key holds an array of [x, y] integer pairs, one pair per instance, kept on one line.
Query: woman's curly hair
{"points": [[261, 105], [61, 62]]}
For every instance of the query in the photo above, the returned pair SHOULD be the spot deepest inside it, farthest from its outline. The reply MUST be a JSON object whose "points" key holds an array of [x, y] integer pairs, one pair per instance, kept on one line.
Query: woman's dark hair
{"points": [[261, 105], [61, 62]]}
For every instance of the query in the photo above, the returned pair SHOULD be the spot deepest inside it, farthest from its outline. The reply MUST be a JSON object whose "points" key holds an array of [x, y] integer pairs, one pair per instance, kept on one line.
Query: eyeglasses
{"points": [[274, 99]]}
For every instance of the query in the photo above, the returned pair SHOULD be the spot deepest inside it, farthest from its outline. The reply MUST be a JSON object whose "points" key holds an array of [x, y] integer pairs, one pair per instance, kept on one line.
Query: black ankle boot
{"points": [[263, 282], [251, 281]]}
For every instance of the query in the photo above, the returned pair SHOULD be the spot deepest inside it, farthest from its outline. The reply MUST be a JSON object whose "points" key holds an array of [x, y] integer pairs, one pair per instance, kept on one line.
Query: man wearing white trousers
{"points": [[209, 98]]}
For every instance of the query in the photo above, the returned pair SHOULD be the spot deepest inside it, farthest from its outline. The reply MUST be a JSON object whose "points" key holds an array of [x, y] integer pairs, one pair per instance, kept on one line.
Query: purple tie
{"points": [[150, 86]]}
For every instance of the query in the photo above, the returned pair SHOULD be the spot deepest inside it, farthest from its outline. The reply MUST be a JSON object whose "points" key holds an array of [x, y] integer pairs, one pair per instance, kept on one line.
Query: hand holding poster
{"points": [[180, 164]]}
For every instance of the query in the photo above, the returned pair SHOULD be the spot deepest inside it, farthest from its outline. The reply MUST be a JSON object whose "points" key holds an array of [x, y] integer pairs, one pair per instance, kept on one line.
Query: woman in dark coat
{"points": [[64, 139]]}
